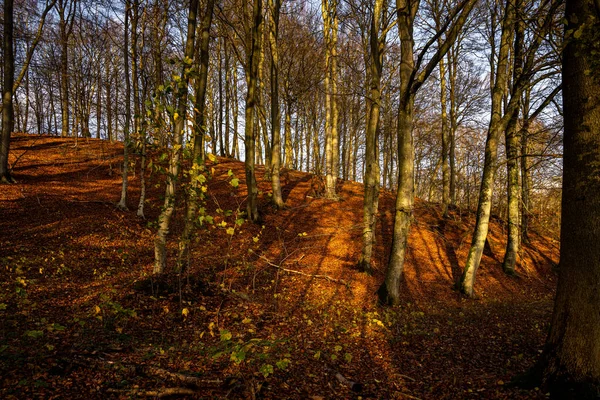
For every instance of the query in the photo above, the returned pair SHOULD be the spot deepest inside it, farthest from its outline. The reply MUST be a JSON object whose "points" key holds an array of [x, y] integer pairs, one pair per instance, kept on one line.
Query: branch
{"points": [[317, 276]]}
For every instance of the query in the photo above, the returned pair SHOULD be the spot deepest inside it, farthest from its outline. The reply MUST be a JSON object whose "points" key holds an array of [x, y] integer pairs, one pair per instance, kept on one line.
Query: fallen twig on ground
{"points": [[318, 276]]}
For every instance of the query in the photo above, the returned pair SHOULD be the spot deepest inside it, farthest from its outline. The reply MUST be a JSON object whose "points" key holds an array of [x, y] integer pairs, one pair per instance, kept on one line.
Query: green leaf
{"points": [[230, 231], [58, 327], [266, 370], [3, 306], [230, 173], [235, 182], [283, 363], [225, 335], [34, 334], [348, 357], [238, 356]]}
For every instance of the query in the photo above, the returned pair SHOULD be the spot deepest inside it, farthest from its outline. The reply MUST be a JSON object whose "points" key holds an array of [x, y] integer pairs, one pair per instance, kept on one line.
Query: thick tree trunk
{"points": [[571, 358], [389, 291], [8, 117], [164, 219]]}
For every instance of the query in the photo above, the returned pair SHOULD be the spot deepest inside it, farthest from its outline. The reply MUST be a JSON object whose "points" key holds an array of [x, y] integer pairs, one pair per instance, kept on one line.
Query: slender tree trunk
{"points": [[8, 116], [372, 176], [125, 182], [109, 100], [570, 362], [228, 153], [289, 150], [330, 24], [512, 152], [66, 11], [525, 178], [445, 142], [275, 7], [160, 243], [491, 154], [236, 144], [512, 157], [251, 102], [195, 189]]}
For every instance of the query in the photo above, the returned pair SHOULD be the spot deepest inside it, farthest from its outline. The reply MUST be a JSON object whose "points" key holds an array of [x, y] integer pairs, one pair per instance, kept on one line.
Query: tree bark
{"points": [[512, 152], [164, 219], [251, 103], [275, 8], [372, 175], [195, 188], [8, 116], [125, 182], [571, 357]]}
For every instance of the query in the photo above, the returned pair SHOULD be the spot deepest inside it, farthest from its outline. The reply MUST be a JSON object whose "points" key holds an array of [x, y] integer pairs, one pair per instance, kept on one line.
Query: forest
{"points": [[363, 199]]}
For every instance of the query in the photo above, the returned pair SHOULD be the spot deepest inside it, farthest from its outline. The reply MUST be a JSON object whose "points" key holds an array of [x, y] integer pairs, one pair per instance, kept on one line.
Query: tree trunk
{"points": [[512, 153], [275, 7], [571, 358], [160, 243], [491, 154], [372, 176], [251, 102], [512, 177], [195, 189], [125, 182], [330, 25], [8, 117]]}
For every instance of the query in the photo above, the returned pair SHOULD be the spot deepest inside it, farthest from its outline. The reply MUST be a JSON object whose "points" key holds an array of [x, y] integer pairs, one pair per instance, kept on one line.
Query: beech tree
{"points": [[570, 363], [412, 77], [8, 112], [180, 117], [372, 170]]}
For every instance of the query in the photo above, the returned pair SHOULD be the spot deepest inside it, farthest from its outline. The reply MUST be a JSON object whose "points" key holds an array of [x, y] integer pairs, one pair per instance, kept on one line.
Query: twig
{"points": [[408, 396], [160, 393], [291, 271], [405, 377], [187, 380]]}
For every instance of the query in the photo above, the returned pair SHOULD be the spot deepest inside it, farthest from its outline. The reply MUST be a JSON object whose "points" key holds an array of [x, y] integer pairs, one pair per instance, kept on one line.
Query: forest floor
{"points": [[82, 317]]}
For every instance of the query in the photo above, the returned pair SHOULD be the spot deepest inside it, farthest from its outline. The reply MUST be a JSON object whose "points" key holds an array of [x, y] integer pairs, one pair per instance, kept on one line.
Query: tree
{"points": [[123, 201], [180, 117], [501, 116], [329, 10], [411, 79], [570, 363], [275, 8], [251, 109], [195, 172], [372, 173], [8, 112]]}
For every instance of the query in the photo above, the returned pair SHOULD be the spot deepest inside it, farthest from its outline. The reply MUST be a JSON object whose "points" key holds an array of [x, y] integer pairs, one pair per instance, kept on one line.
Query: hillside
{"points": [[272, 311]]}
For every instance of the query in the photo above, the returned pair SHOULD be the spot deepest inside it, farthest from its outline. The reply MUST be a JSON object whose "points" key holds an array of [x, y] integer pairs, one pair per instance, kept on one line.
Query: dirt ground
{"points": [[276, 310]]}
